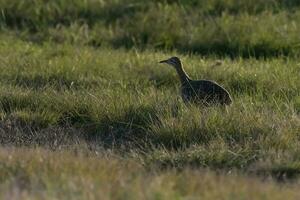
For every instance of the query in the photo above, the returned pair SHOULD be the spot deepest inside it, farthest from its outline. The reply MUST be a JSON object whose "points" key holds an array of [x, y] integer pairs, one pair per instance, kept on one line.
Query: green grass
{"points": [[227, 27], [86, 110], [120, 97]]}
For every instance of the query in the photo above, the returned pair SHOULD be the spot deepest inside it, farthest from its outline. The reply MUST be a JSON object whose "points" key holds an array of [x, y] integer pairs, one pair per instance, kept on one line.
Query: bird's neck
{"points": [[184, 78]]}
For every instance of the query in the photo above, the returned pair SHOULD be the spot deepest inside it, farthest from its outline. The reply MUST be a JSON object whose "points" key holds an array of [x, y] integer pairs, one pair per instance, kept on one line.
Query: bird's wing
{"points": [[208, 86]]}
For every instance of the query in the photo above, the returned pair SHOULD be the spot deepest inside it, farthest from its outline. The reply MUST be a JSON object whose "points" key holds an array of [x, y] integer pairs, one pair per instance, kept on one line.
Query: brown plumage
{"points": [[199, 91]]}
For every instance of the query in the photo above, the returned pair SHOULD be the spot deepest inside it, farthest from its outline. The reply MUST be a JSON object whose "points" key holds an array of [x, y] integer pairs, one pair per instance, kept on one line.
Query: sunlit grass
{"points": [[84, 174]]}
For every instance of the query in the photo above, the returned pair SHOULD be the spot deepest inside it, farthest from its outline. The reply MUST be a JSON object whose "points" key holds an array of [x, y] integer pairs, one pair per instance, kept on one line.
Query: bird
{"points": [[204, 92]]}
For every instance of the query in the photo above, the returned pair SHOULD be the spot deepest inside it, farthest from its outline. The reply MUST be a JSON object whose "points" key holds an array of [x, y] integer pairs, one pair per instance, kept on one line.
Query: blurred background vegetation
{"points": [[245, 28]]}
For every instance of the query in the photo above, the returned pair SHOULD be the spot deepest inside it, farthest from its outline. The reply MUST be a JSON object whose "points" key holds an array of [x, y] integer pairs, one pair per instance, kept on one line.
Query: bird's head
{"points": [[174, 61]]}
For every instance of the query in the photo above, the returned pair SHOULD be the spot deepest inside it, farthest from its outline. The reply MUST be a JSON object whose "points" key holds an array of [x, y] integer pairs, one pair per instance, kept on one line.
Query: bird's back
{"points": [[205, 91]]}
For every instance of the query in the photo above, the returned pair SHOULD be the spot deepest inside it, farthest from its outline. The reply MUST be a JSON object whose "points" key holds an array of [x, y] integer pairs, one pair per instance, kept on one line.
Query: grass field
{"points": [[87, 112], [92, 175]]}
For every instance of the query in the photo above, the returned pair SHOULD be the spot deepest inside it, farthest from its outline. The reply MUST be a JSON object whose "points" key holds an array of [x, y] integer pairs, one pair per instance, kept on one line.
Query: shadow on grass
{"points": [[136, 125], [219, 48], [281, 172], [131, 130], [224, 48], [17, 132], [132, 126], [129, 127], [39, 15]]}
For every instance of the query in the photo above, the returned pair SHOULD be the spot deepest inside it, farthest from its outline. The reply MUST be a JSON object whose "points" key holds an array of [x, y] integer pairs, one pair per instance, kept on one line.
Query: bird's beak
{"points": [[163, 61]]}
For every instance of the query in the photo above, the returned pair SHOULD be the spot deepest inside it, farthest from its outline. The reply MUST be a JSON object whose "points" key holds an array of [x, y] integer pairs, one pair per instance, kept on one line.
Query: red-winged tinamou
{"points": [[199, 91]]}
